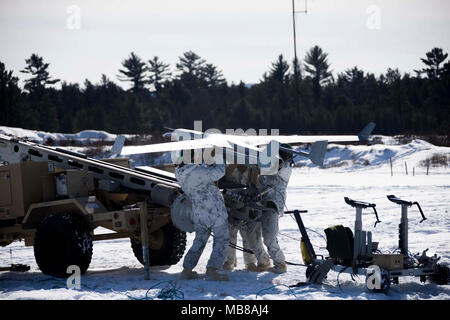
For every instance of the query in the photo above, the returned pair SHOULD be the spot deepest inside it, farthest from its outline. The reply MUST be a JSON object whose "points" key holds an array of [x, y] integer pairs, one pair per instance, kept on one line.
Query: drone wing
{"points": [[301, 139], [204, 143]]}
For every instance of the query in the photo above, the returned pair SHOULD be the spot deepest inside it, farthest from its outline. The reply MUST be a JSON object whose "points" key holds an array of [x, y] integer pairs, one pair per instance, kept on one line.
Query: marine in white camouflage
{"points": [[209, 212], [274, 202], [277, 185], [251, 232], [267, 226]]}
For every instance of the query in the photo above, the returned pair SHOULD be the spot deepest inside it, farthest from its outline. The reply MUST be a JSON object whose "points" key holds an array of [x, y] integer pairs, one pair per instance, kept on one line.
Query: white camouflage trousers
{"points": [[269, 223], [251, 239], [266, 230], [220, 243]]}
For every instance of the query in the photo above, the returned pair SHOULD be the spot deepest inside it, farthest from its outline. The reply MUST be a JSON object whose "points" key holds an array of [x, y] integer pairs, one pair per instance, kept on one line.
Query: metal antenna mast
{"points": [[296, 64]]}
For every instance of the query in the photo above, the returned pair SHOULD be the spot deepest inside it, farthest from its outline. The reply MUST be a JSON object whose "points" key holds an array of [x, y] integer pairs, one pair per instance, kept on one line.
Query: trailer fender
{"points": [[37, 212]]}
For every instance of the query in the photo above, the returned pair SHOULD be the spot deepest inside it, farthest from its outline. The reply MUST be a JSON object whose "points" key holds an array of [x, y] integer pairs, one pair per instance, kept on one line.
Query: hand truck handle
{"points": [[376, 215], [421, 212]]}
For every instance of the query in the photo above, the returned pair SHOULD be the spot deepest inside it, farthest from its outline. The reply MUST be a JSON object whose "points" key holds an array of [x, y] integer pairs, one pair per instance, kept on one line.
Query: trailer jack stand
{"points": [[144, 239], [316, 274]]}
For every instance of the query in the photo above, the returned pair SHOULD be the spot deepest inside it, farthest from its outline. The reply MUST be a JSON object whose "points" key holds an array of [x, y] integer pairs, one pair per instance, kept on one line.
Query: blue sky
{"points": [[241, 37]]}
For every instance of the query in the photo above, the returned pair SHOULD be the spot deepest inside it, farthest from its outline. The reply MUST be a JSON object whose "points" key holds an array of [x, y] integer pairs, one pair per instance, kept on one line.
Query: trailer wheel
{"points": [[309, 270], [166, 246], [442, 276], [62, 240], [385, 284]]}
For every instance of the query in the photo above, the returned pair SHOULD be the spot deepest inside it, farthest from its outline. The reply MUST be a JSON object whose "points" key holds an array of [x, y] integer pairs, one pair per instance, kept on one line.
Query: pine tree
{"points": [[433, 61], [10, 104], [317, 66], [134, 71], [279, 70], [159, 73], [38, 70], [212, 76], [105, 81], [191, 67], [392, 76], [6, 77]]}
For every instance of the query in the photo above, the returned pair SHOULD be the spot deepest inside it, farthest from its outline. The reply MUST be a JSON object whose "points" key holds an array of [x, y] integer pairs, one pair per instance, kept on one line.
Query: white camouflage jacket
{"points": [[277, 184], [198, 183]]}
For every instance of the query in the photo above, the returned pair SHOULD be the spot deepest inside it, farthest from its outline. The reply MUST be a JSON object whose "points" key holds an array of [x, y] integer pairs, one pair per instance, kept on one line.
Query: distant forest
{"points": [[296, 97]]}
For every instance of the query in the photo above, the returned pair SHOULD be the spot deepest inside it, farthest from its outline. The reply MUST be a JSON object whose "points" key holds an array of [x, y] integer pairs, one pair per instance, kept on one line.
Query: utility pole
{"points": [[296, 64]]}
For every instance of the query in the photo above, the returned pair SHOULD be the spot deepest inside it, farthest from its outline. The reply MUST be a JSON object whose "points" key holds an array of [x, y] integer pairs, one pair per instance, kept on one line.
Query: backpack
{"points": [[340, 243]]}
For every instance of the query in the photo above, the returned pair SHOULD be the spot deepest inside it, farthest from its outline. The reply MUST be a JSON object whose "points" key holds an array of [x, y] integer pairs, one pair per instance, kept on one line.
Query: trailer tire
{"points": [[384, 285], [309, 270], [442, 276], [170, 251], [62, 240]]}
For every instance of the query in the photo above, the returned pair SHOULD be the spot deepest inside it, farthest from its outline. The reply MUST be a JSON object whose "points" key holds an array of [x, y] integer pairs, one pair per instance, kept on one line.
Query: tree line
{"points": [[296, 97]]}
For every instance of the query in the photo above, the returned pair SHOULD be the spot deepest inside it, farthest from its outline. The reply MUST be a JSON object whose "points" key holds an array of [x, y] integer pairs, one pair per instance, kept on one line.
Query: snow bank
{"points": [[355, 157], [42, 137]]}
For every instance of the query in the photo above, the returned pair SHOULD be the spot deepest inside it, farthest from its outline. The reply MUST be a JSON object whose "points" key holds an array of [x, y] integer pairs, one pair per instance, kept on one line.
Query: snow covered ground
{"points": [[116, 274]]}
